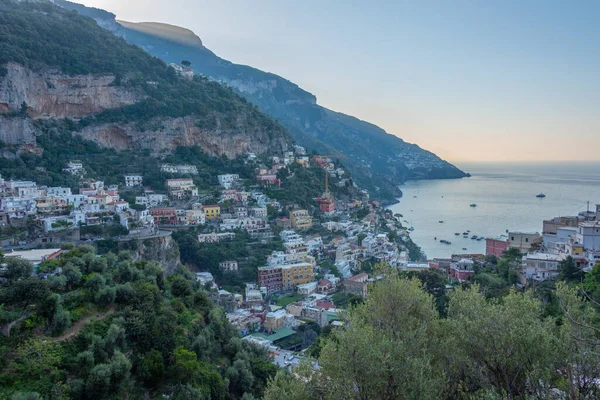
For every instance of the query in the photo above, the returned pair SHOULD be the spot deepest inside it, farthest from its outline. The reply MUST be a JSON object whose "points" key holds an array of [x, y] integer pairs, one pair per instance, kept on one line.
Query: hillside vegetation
{"points": [[396, 345], [111, 328]]}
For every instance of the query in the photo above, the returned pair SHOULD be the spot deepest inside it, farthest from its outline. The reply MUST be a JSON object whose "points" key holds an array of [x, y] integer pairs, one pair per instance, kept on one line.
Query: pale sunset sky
{"points": [[469, 80]]}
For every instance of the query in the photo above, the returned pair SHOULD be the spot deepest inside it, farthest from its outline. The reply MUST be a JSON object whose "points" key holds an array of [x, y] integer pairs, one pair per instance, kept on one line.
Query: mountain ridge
{"points": [[378, 160]]}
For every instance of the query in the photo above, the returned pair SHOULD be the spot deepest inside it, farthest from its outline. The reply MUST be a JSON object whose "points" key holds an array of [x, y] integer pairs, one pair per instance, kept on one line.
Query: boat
{"points": [[465, 233], [441, 222], [411, 229], [474, 237], [473, 205], [457, 233], [445, 241], [464, 248], [541, 195]]}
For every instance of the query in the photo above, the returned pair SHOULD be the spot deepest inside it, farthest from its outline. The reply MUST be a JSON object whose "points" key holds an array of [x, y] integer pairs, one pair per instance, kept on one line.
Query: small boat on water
{"points": [[464, 248], [473, 205], [474, 237], [445, 241], [441, 222], [541, 195], [457, 234], [411, 229]]}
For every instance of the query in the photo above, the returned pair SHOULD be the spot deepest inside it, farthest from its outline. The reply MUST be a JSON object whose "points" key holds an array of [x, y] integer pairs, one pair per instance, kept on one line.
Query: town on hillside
{"points": [[283, 253]]}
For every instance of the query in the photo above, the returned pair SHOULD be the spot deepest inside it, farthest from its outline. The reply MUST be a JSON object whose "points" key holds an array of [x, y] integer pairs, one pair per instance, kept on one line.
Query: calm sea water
{"points": [[505, 195]]}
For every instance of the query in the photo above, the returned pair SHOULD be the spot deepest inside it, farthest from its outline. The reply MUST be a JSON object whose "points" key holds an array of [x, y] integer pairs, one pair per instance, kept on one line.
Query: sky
{"points": [[469, 80]]}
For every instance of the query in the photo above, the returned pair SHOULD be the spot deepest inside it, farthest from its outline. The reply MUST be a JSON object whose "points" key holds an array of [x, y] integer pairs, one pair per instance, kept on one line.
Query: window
{"points": [[512, 238], [526, 239]]}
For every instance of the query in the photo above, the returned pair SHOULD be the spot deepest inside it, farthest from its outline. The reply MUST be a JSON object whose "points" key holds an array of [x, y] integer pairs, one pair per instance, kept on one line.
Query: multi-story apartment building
{"points": [[180, 188], [285, 277], [524, 240], [179, 169], [228, 180], [300, 219], [228, 265], [212, 212], [270, 278], [133, 180], [164, 216]]}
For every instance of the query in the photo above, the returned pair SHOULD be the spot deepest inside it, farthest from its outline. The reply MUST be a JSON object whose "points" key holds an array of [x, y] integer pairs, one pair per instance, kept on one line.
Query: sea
{"points": [[505, 195]]}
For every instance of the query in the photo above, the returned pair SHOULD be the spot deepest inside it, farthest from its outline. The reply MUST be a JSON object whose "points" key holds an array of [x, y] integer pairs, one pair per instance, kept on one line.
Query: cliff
{"points": [[169, 133], [56, 64], [162, 249], [51, 94]]}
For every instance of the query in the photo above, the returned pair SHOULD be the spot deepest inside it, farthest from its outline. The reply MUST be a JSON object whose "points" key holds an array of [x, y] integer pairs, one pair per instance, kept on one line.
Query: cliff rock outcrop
{"points": [[17, 130], [167, 134], [50, 94]]}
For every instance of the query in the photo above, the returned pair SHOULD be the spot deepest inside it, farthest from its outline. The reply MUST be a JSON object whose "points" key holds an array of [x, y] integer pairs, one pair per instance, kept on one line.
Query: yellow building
{"points": [[577, 250], [296, 274], [211, 212], [300, 219]]}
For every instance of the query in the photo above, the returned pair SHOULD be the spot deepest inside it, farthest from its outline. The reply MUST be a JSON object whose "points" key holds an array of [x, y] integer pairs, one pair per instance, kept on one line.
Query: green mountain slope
{"points": [[114, 88]]}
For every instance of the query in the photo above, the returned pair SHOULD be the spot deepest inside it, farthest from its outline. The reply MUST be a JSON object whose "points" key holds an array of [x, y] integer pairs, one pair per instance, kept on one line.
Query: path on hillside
{"points": [[77, 326]]}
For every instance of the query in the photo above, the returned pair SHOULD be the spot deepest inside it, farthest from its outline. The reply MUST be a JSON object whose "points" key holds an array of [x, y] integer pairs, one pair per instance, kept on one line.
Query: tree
{"points": [[591, 282], [285, 386], [37, 357], [152, 368], [25, 291], [383, 352], [185, 366], [504, 345], [17, 268], [568, 270], [579, 345], [180, 286], [98, 383]]}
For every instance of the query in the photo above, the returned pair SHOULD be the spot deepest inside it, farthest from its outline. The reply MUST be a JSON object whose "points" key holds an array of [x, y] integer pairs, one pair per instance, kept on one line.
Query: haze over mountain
{"points": [[376, 159]]}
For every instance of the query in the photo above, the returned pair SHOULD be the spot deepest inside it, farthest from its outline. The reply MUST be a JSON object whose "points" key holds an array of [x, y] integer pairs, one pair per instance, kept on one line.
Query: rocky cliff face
{"points": [[50, 94], [160, 249], [169, 133], [17, 130]]}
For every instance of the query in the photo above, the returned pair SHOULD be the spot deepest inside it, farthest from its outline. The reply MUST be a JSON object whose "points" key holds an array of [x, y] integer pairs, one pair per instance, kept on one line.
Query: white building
{"points": [[152, 200], [307, 288], [228, 180], [588, 235], [74, 168], [540, 266], [133, 180], [58, 191], [228, 266], [179, 169]]}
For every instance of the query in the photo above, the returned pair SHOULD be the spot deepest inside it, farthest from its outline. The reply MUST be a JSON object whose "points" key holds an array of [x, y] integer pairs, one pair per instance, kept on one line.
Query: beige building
{"points": [[551, 225], [524, 241]]}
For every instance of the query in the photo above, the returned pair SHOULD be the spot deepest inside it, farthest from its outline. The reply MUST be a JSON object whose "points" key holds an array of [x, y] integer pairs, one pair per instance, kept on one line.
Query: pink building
{"points": [[495, 246], [268, 180], [461, 270]]}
